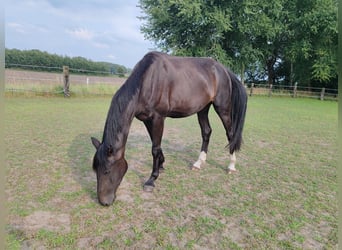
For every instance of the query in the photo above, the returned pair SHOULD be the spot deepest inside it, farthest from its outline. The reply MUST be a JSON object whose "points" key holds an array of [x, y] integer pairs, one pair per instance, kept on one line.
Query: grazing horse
{"points": [[163, 86]]}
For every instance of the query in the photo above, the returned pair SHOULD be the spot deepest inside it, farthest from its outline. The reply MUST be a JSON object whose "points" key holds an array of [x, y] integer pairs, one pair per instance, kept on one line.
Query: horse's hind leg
{"points": [[231, 167], [206, 132], [225, 117]]}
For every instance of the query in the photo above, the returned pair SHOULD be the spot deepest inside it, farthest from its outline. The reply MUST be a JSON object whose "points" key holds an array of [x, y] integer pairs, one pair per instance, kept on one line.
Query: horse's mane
{"points": [[121, 110]]}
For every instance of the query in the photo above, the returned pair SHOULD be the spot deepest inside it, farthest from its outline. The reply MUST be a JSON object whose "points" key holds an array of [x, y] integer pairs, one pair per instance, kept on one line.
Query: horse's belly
{"points": [[178, 114], [178, 111], [175, 104], [182, 106]]}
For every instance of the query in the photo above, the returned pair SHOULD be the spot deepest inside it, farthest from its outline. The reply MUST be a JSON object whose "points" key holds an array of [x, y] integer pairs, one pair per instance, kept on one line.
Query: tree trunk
{"points": [[270, 72], [243, 74], [270, 69]]}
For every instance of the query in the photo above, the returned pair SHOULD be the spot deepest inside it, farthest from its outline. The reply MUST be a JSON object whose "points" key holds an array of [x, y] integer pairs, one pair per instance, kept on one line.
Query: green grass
{"points": [[283, 197], [79, 90]]}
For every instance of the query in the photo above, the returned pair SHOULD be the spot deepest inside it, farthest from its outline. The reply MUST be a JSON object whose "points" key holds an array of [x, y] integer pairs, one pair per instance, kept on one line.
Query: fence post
{"points": [[270, 91], [251, 91], [295, 90], [322, 94], [66, 81]]}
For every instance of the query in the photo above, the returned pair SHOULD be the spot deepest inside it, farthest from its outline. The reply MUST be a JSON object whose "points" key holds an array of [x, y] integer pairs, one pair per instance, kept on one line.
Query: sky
{"points": [[99, 30]]}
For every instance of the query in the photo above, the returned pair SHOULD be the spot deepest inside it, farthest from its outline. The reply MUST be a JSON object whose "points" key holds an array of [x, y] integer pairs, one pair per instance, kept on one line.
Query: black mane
{"points": [[121, 108]]}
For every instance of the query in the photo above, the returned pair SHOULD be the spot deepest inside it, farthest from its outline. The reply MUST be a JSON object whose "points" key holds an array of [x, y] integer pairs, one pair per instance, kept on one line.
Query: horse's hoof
{"points": [[195, 168], [148, 188], [232, 171]]}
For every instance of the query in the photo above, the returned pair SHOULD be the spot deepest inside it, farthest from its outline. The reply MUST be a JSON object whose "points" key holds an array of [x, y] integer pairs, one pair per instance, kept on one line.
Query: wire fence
{"points": [[24, 77], [21, 80], [47, 83], [293, 91]]}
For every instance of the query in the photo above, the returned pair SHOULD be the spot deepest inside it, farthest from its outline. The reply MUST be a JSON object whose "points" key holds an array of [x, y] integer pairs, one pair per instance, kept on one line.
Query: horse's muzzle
{"points": [[107, 201]]}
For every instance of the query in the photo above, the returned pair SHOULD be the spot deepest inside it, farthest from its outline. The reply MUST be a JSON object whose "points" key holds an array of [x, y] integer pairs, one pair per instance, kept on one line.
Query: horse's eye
{"points": [[107, 171]]}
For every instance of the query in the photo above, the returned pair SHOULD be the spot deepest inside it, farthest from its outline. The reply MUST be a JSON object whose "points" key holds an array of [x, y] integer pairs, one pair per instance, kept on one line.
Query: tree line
{"points": [[44, 61], [277, 42]]}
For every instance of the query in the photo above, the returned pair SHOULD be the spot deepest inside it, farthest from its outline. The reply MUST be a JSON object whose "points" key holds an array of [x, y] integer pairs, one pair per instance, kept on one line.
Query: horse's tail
{"points": [[238, 112]]}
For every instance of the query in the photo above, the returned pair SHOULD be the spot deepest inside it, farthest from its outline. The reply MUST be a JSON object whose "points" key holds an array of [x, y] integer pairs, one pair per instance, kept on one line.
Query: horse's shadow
{"points": [[80, 153], [138, 155]]}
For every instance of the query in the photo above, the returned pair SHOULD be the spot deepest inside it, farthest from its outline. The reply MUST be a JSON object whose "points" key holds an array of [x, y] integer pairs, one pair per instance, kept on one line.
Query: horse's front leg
{"points": [[155, 129], [158, 160]]}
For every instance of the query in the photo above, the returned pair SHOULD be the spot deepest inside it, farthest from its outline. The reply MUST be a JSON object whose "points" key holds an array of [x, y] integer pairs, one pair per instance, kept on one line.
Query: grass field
{"points": [[283, 196]]}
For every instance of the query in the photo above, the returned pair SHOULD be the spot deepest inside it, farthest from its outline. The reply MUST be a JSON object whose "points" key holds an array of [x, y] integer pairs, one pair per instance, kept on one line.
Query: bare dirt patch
{"points": [[46, 220]]}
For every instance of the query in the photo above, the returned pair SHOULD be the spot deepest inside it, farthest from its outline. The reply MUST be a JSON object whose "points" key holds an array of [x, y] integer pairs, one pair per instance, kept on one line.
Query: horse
{"points": [[161, 86]]}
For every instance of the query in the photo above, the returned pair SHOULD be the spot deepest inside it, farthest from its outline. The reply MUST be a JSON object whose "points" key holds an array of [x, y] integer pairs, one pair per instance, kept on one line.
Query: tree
{"points": [[120, 71], [43, 61], [193, 28], [260, 31], [297, 38], [313, 44]]}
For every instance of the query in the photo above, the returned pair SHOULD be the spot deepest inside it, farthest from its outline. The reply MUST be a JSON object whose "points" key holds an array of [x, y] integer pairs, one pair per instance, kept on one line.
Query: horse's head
{"points": [[109, 172]]}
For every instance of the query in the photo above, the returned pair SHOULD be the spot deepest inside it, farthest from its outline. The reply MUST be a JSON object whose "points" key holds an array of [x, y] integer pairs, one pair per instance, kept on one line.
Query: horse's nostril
{"points": [[104, 203]]}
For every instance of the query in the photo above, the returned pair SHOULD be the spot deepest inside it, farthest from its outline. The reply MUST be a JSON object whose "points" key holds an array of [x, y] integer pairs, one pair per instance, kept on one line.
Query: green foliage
{"points": [[313, 46], [43, 61], [187, 27], [259, 38]]}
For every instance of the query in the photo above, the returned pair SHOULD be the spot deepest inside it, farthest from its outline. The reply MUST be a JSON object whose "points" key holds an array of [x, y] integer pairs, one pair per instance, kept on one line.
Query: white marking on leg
{"points": [[201, 159], [231, 167]]}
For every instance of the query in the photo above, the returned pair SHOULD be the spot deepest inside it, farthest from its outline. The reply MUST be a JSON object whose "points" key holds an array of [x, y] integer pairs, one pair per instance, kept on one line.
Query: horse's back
{"points": [[180, 86]]}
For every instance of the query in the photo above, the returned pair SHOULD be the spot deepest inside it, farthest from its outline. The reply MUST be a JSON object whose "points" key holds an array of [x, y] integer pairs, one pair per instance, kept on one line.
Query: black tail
{"points": [[238, 113]]}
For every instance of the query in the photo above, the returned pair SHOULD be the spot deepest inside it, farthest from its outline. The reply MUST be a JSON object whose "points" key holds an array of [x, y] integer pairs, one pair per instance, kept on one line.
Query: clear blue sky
{"points": [[99, 30]]}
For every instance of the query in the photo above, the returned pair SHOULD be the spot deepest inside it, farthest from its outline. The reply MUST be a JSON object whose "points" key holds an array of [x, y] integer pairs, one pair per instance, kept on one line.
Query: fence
{"points": [[23, 77], [45, 83], [292, 91], [52, 83]]}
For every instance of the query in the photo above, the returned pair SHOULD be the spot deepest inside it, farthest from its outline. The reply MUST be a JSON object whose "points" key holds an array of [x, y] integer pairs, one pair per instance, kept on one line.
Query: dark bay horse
{"points": [[163, 86]]}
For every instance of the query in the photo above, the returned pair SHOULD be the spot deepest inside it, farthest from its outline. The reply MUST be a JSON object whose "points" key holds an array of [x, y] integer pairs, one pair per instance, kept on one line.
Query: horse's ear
{"points": [[110, 151], [95, 142]]}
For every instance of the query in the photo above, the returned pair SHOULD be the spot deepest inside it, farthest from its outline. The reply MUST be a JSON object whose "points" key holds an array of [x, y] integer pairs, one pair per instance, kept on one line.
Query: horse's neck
{"points": [[117, 126]]}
